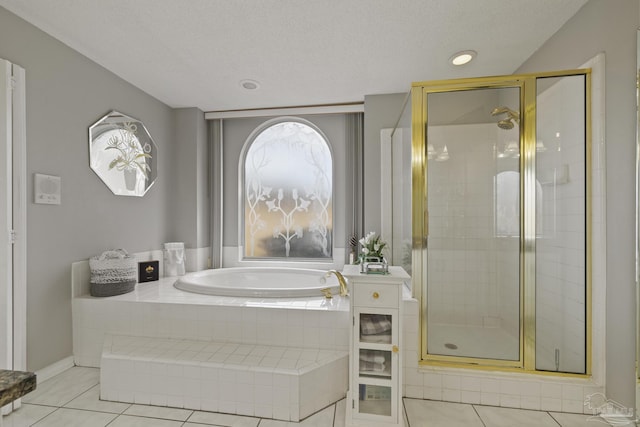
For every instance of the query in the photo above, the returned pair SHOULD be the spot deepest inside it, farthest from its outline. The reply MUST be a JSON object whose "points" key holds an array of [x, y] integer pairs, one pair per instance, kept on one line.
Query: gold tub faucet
{"points": [[344, 291], [327, 293]]}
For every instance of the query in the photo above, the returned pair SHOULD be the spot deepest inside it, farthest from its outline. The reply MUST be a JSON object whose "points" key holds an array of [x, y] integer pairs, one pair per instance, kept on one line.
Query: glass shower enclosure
{"points": [[499, 219]]}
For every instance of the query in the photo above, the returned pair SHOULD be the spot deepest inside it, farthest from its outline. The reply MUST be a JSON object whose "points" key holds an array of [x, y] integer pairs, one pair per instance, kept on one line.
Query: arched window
{"points": [[288, 190]]}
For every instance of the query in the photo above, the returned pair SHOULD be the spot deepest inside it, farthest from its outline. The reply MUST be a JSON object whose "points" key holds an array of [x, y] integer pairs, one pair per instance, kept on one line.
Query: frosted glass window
{"points": [[288, 186]]}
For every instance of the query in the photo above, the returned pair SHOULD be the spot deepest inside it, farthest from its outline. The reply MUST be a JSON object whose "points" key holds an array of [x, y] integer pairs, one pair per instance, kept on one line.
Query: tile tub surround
{"points": [[15, 384], [253, 380], [157, 309], [159, 312]]}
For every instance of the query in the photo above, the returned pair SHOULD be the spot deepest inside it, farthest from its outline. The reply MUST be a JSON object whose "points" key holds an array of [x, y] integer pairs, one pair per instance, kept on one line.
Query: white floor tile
{"points": [[90, 401], [508, 417], [131, 421], [404, 416], [27, 415], [64, 387], [159, 412], [577, 420], [276, 423], [428, 413], [341, 409], [77, 390], [213, 418], [323, 418], [64, 417]]}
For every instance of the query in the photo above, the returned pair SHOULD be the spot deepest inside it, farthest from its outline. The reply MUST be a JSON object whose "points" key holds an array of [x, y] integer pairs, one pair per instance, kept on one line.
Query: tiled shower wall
{"points": [[473, 273], [473, 262]]}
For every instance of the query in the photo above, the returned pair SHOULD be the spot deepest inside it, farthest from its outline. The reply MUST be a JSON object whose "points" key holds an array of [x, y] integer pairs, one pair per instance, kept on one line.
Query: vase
{"points": [[373, 265], [130, 178]]}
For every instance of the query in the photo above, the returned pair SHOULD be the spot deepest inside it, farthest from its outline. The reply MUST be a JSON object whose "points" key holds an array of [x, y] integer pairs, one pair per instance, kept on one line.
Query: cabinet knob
{"points": [[376, 295], [394, 349]]}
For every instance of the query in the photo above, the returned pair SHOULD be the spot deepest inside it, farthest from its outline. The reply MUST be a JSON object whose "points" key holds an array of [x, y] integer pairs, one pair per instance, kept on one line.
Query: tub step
{"points": [[256, 380]]}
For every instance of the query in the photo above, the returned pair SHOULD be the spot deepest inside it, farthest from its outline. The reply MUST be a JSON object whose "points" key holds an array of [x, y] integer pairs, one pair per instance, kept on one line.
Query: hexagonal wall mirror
{"points": [[123, 154]]}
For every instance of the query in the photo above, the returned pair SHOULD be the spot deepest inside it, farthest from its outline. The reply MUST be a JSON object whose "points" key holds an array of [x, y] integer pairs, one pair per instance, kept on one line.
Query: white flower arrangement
{"points": [[372, 246]]}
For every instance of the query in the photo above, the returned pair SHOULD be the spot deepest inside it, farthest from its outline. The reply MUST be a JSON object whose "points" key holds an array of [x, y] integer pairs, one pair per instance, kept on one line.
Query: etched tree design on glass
{"points": [[287, 223], [294, 158], [254, 194], [320, 192]]}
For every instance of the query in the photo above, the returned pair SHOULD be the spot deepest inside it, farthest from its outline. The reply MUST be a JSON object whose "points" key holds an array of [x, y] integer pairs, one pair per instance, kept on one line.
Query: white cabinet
{"points": [[375, 363]]}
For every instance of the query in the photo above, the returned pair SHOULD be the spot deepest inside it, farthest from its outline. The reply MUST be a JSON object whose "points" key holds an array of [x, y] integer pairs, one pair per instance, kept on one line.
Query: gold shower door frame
{"points": [[420, 214]]}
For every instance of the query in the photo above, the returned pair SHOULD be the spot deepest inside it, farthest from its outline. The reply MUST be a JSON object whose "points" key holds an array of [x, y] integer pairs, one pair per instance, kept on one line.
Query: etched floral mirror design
{"points": [[123, 154]]}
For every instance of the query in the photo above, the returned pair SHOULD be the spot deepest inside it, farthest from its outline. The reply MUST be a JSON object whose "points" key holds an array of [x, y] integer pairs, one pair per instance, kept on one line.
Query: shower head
{"points": [[506, 124], [512, 116]]}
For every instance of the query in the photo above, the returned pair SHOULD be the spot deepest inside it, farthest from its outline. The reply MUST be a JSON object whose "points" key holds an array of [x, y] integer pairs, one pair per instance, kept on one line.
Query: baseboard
{"points": [[54, 369]]}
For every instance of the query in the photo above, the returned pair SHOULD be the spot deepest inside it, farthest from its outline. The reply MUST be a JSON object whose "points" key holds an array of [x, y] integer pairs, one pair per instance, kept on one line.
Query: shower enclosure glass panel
{"points": [[561, 234], [398, 157], [473, 199], [501, 221]]}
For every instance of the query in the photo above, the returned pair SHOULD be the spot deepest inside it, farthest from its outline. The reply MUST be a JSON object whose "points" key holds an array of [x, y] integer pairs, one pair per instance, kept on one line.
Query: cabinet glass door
{"points": [[375, 328], [376, 365], [375, 400]]}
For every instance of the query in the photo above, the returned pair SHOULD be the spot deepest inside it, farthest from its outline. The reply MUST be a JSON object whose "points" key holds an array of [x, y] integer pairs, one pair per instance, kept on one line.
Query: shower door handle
{"points": [[425, 237]]}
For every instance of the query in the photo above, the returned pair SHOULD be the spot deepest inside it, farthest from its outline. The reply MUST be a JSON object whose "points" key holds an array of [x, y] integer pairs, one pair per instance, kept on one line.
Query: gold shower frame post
{"points": [[527, 83]]}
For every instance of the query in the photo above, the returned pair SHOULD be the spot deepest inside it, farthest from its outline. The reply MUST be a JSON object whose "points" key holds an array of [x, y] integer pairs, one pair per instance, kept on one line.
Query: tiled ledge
{"points": [[253, 380]]}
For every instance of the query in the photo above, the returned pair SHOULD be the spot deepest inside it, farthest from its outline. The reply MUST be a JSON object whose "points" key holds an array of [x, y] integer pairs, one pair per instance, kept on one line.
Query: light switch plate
{"points": [[47, 189]]}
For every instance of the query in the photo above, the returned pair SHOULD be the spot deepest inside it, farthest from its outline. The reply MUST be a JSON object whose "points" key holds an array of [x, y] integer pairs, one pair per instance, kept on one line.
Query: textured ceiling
{"points": [[193, 53]]}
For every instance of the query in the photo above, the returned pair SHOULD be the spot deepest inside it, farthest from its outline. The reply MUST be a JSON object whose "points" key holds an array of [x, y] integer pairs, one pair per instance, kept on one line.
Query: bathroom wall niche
{"points": [[123, 154]]}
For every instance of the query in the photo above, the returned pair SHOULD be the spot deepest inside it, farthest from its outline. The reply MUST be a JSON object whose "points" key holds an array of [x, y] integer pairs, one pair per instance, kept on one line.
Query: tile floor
{"points": [[71, 399]]}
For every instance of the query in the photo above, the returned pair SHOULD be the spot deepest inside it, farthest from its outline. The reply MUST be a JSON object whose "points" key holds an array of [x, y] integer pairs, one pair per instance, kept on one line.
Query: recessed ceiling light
{"points": [[464, 57], [249, 84]]}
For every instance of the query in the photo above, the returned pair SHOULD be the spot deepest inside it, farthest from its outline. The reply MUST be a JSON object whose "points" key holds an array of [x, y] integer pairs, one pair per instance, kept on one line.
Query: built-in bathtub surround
{"points": [[158, 313], [157, 309], [197, 259]]}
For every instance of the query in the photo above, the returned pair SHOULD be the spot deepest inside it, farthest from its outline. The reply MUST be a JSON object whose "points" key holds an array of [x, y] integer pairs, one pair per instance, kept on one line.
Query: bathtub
{"points": [[261, 282]]}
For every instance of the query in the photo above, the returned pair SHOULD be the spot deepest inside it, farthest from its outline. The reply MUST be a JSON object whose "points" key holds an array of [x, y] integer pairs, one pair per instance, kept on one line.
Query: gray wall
{"points": [[610, 27], [189, 196], [66, 92], [380, 112]]}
